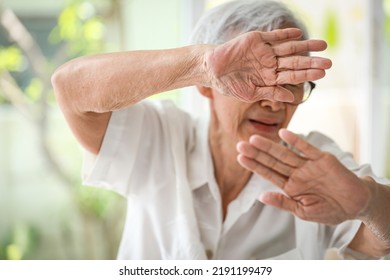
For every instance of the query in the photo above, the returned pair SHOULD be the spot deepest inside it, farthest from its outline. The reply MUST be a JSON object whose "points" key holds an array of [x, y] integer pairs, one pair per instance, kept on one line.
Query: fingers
{"points": [[281, 35], [299, 47], [301, 145], [268, 159], [298, 69], [299, 76], [275, 150], [263, 158], [263, 171], [294, 69], [273, 161], [304, 210], [303, 62], [279, 164], [277, 157], [279, 201]]}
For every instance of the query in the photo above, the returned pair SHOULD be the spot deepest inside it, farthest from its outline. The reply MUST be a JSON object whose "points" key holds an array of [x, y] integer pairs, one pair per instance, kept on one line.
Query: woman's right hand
{"points": [[254, 65]]}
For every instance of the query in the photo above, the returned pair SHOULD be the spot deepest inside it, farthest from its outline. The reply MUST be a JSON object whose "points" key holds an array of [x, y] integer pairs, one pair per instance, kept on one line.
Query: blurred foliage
{"points": [[80, 27], [331, 29], [34, 89], [19, 242], [386, 9], [10, 58], [80, 30]]}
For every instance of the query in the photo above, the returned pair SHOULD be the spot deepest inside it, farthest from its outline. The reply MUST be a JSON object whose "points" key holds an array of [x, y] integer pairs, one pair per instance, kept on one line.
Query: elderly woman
{"points": [[236, 185]]}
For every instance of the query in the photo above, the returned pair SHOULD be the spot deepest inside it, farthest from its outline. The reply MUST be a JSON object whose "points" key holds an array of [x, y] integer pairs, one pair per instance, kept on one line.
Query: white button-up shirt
{"points": [[158, 157]]}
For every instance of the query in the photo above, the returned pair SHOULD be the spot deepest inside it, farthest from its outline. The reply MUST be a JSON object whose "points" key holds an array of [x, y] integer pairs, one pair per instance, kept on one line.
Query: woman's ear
{"points": [[206, 91]]}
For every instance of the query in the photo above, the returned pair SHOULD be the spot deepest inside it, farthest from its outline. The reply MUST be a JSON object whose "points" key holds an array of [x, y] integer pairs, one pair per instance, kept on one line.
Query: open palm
{"points": [[316, 186], [254, 65]]}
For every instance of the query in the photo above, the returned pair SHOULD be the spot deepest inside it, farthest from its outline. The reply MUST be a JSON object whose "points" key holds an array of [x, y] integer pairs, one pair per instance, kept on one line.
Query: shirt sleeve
{"points": [[136, 145]]}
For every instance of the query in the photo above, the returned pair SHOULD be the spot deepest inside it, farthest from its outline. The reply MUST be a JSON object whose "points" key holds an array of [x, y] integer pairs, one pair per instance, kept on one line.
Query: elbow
{"points": [[58, 82], [56, 79], [62, 81]]}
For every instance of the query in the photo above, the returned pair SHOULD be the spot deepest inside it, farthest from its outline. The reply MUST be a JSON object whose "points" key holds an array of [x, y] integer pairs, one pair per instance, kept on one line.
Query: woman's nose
{"points": [[272, 104]]}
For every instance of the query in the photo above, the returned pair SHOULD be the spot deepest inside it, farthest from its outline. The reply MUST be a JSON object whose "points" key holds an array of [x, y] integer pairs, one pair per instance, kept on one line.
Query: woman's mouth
{"points": [[264, 126], [266, 123]]}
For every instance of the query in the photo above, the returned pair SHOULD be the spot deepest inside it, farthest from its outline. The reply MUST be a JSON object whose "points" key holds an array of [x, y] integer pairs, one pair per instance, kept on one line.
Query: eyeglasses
{"points": [[301, 91]]}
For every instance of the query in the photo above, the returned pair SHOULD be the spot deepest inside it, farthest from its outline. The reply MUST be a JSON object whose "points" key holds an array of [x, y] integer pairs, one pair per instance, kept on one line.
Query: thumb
{"points": [[278, 200]]}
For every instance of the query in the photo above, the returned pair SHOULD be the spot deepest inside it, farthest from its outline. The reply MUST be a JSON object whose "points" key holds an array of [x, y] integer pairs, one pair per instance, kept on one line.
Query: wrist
{"points": [[375, 214], [196, 66], [370, 185]]}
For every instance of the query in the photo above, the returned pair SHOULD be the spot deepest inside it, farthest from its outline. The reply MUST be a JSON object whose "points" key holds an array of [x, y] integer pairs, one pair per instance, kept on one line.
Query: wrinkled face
{"points": [[235, 120]]}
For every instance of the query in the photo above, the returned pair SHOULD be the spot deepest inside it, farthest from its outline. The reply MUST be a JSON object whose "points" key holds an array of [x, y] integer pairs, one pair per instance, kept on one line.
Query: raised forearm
{"points": [[89, 88], [106, 82]]}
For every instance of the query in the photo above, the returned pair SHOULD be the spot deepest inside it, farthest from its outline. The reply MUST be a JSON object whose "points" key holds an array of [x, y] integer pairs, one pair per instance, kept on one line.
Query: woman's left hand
{"points": [[316, 186]]}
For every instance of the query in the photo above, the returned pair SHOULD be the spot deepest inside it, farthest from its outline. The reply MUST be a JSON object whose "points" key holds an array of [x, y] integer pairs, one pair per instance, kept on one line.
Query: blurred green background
{"points": [[45, 213]]}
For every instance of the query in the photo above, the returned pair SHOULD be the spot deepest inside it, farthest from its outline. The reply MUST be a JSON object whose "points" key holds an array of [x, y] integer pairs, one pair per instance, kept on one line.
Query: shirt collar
{"points": [[201, 165]]}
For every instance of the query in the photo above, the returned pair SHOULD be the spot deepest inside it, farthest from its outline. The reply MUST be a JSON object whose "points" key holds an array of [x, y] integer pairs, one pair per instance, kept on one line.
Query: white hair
{"points": [[225, 21]]}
